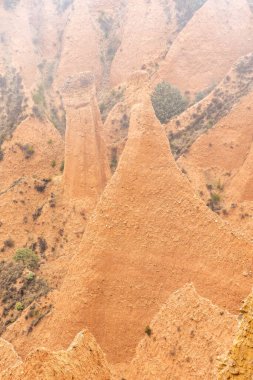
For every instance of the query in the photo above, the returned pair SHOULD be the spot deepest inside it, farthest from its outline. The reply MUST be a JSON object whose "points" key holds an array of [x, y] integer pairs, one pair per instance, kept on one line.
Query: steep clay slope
{"points": [[28, 206], [147, 224], [238, 363], [241, 186], [17, 49], [117, 122], [214, 141], [184, 340], [83, 360], [184, 129], [186, 336], [86, 167], [8, 356], [208, 45], [144, 38], [36, 149], [81, 51], [222, 153]]}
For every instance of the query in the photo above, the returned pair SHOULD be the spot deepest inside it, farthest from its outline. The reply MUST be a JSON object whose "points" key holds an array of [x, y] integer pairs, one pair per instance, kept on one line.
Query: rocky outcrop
{"points": [[184, 339], [208, 45], [83, 360], [238, 364], [86, 168], [148, 236]]}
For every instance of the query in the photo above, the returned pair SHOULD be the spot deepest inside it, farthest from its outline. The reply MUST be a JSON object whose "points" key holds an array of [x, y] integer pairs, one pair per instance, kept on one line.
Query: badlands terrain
{"points": [[126, 189]]}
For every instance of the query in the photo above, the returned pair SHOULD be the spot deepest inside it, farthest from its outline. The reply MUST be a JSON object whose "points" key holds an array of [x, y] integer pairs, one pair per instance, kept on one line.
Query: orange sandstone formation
{"points": [[144, 38], [223, 153], [81, 50], [35, 149], [83, 360], [148, 236], [116, 125], [8, 356], [208, 45], [185, 338], [86, 168], [238, 364]]}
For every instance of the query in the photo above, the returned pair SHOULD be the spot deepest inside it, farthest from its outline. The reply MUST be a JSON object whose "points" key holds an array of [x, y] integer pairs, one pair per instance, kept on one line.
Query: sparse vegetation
{"points": [[27, 149], [114, 159], [167, 102], [214, 202], [40, 186], [112, 49], [62, 5], [58, 118], [27, 257], [110, 100], [39, 100], [202, 94], [148, 331], [62, 167], [250, 5], [166, 9], [10, 4], [17, 291], [42, 245], [37, 314], [223, 99], [124, 121], [9, 243], [52, 201], [53, 164], [19, 306], [186, 9], [13, 103], [106, 23], [37, 213]]}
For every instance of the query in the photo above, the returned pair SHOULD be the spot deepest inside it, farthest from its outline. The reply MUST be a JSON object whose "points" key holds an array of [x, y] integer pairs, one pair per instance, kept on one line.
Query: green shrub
{"points": [[28, 257], [167, 102], [19, 306], [30, 276], [202, 94], [39, 96], [39, 100], [53, 164], [109, 100], [215, 197]]}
